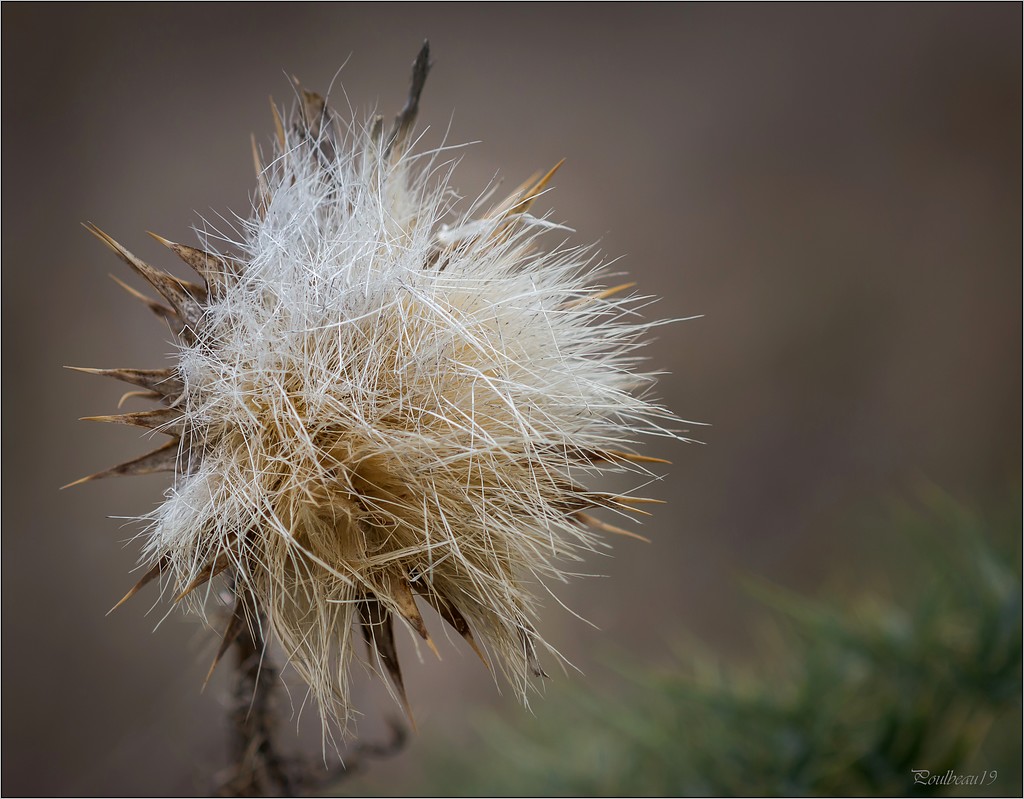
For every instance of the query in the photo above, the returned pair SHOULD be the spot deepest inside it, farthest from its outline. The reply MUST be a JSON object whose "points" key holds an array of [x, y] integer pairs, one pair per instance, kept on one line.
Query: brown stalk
{"points": [[257, 768]]}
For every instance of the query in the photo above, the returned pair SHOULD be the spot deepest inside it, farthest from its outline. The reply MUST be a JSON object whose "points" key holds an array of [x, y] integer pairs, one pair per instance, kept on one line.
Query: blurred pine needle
{"points": [[859, 694]]}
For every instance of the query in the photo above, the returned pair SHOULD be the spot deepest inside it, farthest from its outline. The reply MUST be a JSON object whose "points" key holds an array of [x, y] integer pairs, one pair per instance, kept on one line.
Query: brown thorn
{"points": [[517, 202], [505, 205], [401, 591], [163, 420], [278, 126], [597, 524], [614, 502], [596, 499], [380, 639], [523, 205], [216, 270], [163, 459], [156, 307], [630, 508], [209, 571], [611, 455], [376, 131], [314, 110], [231, 633], [160, 380], [262, 189], [186, 298], [406, 118], [600, 295], [629, 456], [147, 578], [447, 611]]}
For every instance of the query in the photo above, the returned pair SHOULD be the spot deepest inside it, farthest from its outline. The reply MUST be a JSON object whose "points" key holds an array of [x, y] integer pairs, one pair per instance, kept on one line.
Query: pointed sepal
{"points": [[163, 420], [147, 578], [450, 614], [523, 203], [400, 591], [186, 298], [399, 135], [218, 271], [234, 629], [597, 524], [207, 573], [156, 307], [164, 459], [164, 381], [379, 633]]}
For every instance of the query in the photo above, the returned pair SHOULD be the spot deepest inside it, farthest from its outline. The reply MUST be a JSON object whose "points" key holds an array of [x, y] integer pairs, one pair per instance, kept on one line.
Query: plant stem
{"points": [[258, 769]]}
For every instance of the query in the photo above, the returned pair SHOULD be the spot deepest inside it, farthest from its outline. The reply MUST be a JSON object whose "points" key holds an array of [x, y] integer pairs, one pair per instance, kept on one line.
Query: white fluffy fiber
{"points": [[377, 397]]}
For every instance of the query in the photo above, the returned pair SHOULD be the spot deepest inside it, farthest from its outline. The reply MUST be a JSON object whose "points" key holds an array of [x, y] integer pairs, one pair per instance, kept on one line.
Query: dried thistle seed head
{"points": [[371, 411]]}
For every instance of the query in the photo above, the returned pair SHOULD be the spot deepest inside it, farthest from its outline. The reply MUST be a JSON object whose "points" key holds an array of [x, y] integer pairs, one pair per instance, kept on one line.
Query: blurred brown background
{"points": [[836, 189]]}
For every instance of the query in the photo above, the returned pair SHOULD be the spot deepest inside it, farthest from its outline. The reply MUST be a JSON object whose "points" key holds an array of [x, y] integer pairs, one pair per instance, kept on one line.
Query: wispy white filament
{"points": [[378, 401]]}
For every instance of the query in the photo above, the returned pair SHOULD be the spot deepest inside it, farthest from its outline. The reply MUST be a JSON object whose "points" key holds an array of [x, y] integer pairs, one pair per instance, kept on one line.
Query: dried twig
{"points": [[258, 769]]}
